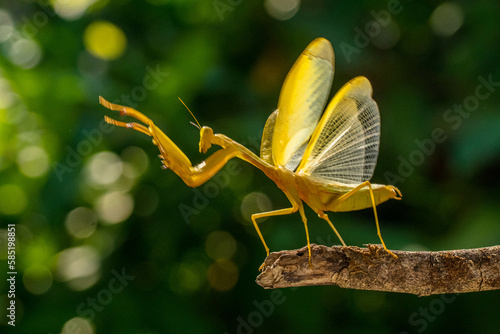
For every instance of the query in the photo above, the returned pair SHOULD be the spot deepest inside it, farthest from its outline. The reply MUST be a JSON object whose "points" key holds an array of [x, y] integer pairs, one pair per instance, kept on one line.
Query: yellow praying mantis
{"points": [[324, 159]]}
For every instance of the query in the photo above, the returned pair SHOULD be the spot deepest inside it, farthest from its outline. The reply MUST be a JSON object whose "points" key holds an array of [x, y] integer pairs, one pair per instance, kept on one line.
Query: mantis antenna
{"points": [[198, 126]]}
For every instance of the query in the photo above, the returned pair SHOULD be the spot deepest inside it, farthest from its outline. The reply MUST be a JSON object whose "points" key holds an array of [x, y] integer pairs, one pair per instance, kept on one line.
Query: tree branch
{"points": [[371, 268]]}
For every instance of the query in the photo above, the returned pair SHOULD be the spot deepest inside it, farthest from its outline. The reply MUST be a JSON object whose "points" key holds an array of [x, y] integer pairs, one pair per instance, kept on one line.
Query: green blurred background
{"points": [[108, 242]]}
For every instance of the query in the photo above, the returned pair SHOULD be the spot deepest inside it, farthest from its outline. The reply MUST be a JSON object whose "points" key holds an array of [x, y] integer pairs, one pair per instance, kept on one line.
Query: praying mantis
{"points": [[324, 159]]}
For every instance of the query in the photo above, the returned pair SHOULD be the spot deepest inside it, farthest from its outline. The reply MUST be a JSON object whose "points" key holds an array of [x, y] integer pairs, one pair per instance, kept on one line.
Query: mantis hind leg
{"points": [[352, 192], [325, 217]]}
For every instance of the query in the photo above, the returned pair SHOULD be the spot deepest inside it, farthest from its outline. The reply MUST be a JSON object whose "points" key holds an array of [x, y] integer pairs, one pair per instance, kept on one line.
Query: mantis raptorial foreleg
{"points": [[352, 192], [172, 157]]}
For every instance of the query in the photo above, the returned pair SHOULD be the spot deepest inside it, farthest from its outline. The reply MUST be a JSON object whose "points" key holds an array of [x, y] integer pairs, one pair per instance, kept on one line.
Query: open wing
{"points": [[302, 100], [344, 146]]}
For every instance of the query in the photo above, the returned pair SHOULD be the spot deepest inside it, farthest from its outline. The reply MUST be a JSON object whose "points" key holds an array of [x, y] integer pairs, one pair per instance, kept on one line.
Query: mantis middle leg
{"points": [[280, 212], [296, 205]]}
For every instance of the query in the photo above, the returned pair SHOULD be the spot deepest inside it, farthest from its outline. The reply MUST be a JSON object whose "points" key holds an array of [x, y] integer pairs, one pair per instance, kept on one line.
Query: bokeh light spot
{"points": [[282, 9], [222, 275], [14, 199], [6, 26], [33, 161], [104, 40], [24, 53], [79, 267], [114, 207], [446, 19], [104, 168], [37, 279], [71, 10], [7, 97], [253, 203], [81, 222], [220, 245], [78, 325]]}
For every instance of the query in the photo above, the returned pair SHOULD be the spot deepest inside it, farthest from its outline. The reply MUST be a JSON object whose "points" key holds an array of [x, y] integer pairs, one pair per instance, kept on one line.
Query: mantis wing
{"points": [[344, 146], [266, 148], [302, 100]]}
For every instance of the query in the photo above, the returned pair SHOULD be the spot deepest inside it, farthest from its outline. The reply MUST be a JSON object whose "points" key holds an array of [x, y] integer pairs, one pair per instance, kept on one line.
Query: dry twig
{"points": [[371, 268]]}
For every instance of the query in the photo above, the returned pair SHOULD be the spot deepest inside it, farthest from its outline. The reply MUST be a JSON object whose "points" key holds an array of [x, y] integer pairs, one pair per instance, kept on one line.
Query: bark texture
{"points": [[371, 268]]}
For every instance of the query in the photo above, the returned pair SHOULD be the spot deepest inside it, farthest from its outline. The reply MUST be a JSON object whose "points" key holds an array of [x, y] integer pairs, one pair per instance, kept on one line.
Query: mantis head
{"points": [[206, 137]]}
